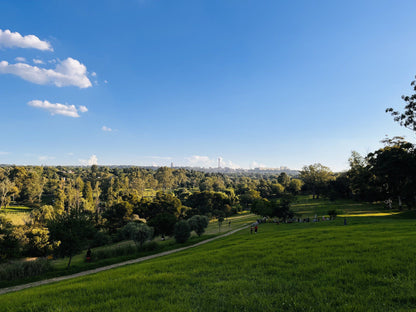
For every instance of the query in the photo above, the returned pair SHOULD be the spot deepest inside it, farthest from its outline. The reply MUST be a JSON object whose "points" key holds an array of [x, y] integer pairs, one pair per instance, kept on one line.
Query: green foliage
{"points": [[10, 245], [38, 241], [23, 269], [182, 231], [332, 214], [316, 178], [100, 239], [407, 118], [72, 232], [163, 223], [43, 214], [138, 232], [118, 215], [198, 224]]}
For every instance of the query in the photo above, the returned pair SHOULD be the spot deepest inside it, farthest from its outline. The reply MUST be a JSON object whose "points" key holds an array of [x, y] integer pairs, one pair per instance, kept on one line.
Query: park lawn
{"points": [[308, 207], [78, 264], [169, 243], [367, 265], [16, 214]]}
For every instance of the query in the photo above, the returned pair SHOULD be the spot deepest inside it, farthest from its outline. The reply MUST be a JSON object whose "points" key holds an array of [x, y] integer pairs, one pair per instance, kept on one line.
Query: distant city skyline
{"points": [[254, 83]]}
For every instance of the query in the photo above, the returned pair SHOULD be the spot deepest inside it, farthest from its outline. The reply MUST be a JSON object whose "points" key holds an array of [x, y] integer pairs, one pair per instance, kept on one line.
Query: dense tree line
{"points": [[108, 199]]}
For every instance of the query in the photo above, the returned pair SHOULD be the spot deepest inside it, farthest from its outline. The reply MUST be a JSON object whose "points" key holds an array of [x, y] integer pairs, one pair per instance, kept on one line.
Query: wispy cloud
{"points": [[10, 39], [37, 61], [20, 59], [69, 72], [4, 153], [58, 108], [107, 129], [93, 160], [45, 158]]}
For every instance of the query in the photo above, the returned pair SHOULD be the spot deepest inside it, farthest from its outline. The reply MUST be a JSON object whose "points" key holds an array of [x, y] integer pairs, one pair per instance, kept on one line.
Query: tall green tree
{"points": [[394, 167], [72, 232], [316, 178], [7, 189]]}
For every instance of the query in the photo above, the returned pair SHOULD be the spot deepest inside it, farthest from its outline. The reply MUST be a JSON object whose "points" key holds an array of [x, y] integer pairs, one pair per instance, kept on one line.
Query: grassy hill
{"points": [[367, 265]]}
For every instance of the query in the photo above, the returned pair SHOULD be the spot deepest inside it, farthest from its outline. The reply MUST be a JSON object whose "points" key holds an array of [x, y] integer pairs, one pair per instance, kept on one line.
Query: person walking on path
{"points": [[88, 256]]}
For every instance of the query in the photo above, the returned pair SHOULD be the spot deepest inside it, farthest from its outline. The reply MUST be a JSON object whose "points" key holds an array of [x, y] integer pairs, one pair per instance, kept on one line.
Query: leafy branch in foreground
{"points": [[408, 117]]}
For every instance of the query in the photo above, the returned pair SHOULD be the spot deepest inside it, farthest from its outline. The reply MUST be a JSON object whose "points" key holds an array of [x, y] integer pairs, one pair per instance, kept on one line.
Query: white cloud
{"points": [[89, 162], [4, 153], [45, 158], [105, 81], [255, 164], [58, 109], [94, 74], [83, 109], [200, 161], [105, 128], [37, 61], [69, 72], [10, 39], [20, 59]]}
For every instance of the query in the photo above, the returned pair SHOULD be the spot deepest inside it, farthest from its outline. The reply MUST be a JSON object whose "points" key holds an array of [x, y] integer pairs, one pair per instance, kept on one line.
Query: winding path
{"points": [[109, 267]]}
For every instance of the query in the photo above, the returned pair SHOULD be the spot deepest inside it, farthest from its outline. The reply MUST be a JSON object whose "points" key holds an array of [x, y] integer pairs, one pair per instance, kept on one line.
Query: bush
{"points": [[150, 246], [101, 239], [138, 232], [332, 214], [22, 269], [182, 231], [114, 252], [198, 224]]}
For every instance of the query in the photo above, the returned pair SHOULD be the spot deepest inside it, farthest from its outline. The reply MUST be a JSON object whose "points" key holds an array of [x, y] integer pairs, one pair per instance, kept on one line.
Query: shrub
{"points": [[138, 232], [21, 269], [150, 246], [114, 252], [182, 231], [332, 214], [198, 224], [101, 239]]}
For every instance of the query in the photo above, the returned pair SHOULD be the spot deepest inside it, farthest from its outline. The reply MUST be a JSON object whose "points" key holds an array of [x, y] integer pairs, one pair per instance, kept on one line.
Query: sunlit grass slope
{"points": [[368, 265]]}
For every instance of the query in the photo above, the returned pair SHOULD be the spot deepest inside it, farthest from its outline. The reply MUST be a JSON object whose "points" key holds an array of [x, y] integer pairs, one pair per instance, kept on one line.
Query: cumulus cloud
{"points": [[37, 61], [200, 161], [255, 164], [93, 160], [94, 74], [20, 59], [83, 109], [4, 153], [69, 72], [105, 128], [10, 39], [58, 109]]}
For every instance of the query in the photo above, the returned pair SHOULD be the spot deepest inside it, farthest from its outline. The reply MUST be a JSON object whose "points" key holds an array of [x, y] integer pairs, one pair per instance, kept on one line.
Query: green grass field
{"points": [[16, 214], [367, 265]]}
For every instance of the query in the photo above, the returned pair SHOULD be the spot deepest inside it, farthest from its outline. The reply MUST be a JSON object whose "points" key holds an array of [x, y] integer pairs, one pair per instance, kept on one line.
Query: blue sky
{"points": [[150, 82]]}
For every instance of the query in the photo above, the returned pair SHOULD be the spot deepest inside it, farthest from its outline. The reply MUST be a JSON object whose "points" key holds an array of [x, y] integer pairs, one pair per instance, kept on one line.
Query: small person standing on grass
{"points": [[255, 229], [229, 224], [345, 221], [88, 256]]}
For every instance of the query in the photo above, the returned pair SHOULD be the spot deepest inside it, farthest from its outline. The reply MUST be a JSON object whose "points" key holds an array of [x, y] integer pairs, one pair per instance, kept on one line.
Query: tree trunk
{"points": [[69, 262]]}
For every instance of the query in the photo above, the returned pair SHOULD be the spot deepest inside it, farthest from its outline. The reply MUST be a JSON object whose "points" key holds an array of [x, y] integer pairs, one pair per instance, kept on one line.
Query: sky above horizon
{"points": [[151, 82]]}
